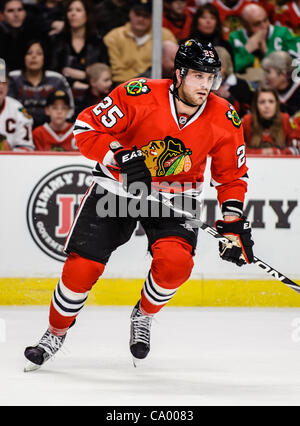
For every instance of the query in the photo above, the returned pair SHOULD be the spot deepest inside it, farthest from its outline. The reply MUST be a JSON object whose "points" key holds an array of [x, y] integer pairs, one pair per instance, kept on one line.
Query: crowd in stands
{"points": [[58, 57]]}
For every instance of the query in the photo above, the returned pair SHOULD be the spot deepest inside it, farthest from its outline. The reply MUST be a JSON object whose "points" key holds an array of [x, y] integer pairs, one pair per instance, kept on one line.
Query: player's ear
{"points": [[47, 110], [92, 82], [178, 78]]}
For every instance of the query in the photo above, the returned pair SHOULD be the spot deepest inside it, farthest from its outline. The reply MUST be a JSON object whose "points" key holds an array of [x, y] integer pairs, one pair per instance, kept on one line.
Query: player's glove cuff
{"points": [[137, 175], [239, 249]]}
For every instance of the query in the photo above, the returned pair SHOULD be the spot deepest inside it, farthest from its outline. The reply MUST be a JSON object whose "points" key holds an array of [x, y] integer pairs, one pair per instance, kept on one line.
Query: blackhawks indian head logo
{"points": [[167, 157]]}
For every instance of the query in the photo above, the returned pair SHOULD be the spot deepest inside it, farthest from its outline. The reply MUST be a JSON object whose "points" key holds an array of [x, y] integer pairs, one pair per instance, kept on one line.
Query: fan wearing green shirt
{"points": [[258, 38]]}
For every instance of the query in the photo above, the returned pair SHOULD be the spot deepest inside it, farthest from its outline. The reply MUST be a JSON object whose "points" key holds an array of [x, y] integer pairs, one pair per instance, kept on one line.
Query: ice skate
{"points": [[47, 347], [139, 334]]}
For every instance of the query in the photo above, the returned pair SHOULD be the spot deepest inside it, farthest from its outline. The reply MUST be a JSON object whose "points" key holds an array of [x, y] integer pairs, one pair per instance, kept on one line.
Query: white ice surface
{"points": [[199, 356]]}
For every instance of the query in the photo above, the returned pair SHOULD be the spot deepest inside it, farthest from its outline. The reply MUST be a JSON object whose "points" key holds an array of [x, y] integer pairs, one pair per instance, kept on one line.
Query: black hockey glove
{"points": [[137, 179], [239, 249]]}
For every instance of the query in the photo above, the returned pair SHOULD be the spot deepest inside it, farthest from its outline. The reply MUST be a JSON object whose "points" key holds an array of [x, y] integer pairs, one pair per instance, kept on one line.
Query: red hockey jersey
{"points": [[142, 112], [46, 139], [289, 16], [230, 16], [180, 29], [290, 132]]}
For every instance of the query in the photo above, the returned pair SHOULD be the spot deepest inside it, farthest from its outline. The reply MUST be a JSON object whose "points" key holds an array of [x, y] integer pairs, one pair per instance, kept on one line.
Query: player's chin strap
{"points": [[174, 92]]}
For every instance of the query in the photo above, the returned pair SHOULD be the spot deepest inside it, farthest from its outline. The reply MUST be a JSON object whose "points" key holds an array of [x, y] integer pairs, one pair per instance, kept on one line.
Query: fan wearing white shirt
{"points": [[15, 122]]}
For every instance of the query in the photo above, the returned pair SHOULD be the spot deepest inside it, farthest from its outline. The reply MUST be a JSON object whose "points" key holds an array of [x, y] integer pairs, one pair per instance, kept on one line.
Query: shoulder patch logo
{"points": [[232, 115], [137, 87], [25, 113]]}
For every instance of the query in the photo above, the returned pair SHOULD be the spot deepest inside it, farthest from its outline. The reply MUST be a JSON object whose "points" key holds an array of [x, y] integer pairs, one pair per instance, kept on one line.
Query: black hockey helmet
{"points": [[199, 56]]}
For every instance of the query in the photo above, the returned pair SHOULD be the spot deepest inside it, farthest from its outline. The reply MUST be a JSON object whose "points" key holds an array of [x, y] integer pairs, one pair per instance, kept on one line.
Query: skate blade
{"points": [[30, 366]]}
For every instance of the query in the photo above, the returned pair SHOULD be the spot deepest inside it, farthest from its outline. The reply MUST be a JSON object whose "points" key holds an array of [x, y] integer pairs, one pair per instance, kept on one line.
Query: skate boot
{"points": [[44, 350], [139, 334]]}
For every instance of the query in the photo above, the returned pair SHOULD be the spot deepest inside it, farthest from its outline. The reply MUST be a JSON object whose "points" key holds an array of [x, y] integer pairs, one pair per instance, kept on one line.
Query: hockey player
{"points": [[167, 130]]}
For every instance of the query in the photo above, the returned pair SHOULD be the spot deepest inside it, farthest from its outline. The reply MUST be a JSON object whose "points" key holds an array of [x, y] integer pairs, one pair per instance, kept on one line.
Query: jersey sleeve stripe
{"points": [[81, 127]]}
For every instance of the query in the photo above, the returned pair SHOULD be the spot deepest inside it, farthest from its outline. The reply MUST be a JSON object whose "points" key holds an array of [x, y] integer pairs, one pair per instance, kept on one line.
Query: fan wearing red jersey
{"points": [[57, 135], [152, 134], [230, 14], [288, 15]]}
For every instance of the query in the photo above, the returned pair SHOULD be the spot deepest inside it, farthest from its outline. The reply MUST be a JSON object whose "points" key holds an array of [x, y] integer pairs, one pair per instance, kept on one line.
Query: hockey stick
{"points": [[197, 223]]}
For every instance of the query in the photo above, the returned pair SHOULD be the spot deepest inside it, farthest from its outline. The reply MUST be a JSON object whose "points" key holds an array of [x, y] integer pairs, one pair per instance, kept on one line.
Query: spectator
{"points": [[230, 14], [270, 8], [237, 91], [57, 135], [295, 136], [280, 75], [100, 83], [78, 45], [207, 26], [289, 16], [177, 18], [169, 50], [130, 46], [15, 122], [16, 29], [259, 39], [111, 14], [267, 131], [51, 15], [193, 4], [32, 84]]}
